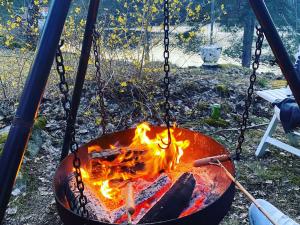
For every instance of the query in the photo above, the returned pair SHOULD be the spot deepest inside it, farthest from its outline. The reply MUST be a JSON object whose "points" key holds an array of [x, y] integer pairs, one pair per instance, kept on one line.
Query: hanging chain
{"points": [[100, 80], [273, 62], [167, 106], [64, 88], [255, 66], [63, 85]]}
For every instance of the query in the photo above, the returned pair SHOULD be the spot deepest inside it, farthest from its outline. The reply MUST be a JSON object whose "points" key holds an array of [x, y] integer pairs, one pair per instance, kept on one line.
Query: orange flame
{"points": [[150, 160], [84, 174]]}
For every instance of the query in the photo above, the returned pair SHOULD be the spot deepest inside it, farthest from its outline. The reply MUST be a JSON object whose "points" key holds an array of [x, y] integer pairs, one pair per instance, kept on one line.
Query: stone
{"points": [[16, 192], [20, 185], [83, 131], [12, 211], [35, 143], [110, 127], [52, 125], [4, 130]]}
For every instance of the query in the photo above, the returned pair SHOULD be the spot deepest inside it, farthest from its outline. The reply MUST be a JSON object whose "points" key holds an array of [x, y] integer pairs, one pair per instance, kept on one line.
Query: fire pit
{"points": [[155, 179]]}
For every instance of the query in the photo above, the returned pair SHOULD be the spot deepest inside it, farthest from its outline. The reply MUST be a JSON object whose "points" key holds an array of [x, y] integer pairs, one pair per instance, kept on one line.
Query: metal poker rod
{"points": [[130, 205]]}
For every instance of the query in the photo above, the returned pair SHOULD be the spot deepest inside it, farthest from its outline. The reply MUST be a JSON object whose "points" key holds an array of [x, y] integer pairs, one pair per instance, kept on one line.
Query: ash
{"points": [[95, 208]]}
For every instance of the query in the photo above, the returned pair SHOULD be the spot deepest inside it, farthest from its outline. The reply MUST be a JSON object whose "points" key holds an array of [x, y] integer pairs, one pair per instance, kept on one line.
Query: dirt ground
{"points": [[274, 177]]}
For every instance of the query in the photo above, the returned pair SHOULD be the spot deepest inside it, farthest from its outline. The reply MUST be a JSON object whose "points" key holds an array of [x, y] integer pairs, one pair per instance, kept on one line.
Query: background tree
{"points": [[282, 12], [32, 21]]}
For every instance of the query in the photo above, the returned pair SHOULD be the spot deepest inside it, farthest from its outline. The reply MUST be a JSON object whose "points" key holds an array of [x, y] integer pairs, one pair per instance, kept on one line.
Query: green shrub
{"points": [[40, 123], [216, 122], [3, 138], [222, 89], [262, 82]]}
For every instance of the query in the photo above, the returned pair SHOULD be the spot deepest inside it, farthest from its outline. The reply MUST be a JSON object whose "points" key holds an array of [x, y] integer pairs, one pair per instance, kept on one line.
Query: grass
{"points": [[216, 122], [278, 173], [228, 65], [222, 89], [262, 82], [40, 123], [3, 138], [202, 106]]}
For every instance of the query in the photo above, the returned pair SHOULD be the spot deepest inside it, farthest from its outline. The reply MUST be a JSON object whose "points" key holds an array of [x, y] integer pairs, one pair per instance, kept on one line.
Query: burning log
{"points": [[99, 171], [111, 154], [171, 205], [119, 160], [144, 198], [95, 208], [105, 154], [99, 212]]}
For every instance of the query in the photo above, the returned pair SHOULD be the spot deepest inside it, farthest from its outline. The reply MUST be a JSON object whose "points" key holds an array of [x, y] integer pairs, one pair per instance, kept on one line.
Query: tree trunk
{"points": [[248, 39], [32, 23], [212, 21], [147, 45]]}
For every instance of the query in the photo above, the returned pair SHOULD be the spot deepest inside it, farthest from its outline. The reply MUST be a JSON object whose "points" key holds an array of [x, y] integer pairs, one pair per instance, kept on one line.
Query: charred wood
{"points": [[172, 204], [95, 208], [98, 171], [111, 154], [99, 212], [115, 160], [163, 181]]}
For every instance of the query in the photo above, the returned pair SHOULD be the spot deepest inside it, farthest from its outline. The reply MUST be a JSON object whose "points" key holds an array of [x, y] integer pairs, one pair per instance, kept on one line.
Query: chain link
{"points": [[273, 62], [100, 80], [255, 66], [66, 102], [63, 85], [167, 106]]}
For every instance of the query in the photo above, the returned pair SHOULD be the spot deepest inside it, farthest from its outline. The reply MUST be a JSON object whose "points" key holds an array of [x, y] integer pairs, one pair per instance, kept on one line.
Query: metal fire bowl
{"points": [[201, 146]]}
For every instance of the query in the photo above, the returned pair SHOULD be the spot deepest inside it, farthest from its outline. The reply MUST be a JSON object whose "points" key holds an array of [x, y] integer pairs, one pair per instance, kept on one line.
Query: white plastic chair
{"points": [[271, 96]]}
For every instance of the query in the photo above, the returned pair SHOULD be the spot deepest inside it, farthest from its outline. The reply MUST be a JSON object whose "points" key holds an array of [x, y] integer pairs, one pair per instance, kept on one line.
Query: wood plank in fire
{"points": [[171, 205], [96, 209], [145, 198], [104, 159]]}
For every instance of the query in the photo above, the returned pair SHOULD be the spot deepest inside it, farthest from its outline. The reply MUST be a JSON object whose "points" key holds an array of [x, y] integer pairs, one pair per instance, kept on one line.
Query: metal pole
{"points": [[20, 131], [83, 63], [260, 9]]}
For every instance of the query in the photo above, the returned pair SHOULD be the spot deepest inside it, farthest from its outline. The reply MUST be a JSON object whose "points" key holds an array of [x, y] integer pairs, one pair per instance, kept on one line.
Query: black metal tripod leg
{"points": [[83, 63], [20, 131], [260, 9]]}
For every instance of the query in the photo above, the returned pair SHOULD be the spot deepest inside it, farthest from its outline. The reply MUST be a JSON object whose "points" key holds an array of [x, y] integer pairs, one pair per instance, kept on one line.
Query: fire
{"points": [[145, 156], [105, 189], [84, 174]]}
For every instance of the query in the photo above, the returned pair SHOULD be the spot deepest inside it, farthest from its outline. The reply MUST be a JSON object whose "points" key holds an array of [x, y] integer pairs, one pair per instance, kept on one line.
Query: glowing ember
{"points": [[106, 190], [153, 159]]}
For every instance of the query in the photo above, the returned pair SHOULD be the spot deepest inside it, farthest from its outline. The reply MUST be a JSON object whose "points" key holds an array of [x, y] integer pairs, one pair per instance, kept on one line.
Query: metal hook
{"points": [[167, 144], [169, 141]]}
